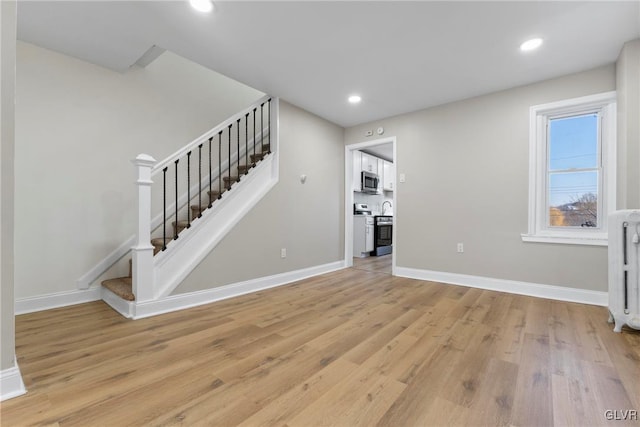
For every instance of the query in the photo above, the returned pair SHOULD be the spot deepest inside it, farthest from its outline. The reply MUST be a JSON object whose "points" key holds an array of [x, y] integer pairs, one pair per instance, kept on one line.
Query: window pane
{"points": [[573, 199], [573, 142]]}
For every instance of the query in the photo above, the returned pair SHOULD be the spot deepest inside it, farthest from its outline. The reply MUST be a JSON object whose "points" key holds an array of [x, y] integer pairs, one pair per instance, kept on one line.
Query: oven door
{"points": [[383, 235]]}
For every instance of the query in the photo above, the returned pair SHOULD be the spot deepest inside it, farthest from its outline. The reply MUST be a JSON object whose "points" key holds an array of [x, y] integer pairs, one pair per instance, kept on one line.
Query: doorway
{"points": [[350, 150]]}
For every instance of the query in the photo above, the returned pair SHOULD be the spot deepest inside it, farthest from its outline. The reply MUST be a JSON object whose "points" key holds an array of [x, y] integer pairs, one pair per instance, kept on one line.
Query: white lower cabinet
{"points": [[362, 235]]}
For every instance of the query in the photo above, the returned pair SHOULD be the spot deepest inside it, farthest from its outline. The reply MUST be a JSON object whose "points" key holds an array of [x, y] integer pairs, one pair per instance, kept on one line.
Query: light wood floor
{"points": [[379, 264], [350, 348]]}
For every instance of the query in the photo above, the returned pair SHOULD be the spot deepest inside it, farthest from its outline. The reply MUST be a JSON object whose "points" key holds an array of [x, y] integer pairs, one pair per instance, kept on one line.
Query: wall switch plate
{"points": [[460, 248], [283, 253], [402, 177]]}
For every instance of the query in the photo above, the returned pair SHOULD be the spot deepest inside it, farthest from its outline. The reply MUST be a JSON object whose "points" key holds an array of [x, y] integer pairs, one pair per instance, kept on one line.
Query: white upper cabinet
{"points": [[357, 169], [388, 176], [385, 170], [369, 163]]}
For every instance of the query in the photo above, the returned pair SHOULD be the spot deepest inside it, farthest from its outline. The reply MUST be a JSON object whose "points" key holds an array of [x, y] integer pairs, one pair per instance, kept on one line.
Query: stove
{"points": [[383, 219], [382, 235]]}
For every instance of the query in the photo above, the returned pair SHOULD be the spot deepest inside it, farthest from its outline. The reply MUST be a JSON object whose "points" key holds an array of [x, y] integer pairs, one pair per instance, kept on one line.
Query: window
{"points": [[572, 170]]}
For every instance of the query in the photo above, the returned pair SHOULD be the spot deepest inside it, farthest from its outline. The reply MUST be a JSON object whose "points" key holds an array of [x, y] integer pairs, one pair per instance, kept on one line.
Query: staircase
{"points": [[205, 188]]}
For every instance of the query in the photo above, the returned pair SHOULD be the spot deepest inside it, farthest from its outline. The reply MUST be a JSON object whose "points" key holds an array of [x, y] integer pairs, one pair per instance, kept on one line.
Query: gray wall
{"points": [[75, 199], [7, 90], [628, 87], [466, 166], [306, 219]]}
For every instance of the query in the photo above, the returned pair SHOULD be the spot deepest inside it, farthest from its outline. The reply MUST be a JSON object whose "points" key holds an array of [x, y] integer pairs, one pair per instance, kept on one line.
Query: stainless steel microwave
{"points": [[369, 182]]}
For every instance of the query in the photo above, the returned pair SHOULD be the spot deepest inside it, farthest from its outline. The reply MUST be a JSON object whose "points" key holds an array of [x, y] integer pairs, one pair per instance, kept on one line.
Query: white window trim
{"points": [[538, 117]]}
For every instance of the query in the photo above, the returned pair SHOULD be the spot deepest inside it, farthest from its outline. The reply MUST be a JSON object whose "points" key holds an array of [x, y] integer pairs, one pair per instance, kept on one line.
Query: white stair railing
{"points": [[231, 150]]}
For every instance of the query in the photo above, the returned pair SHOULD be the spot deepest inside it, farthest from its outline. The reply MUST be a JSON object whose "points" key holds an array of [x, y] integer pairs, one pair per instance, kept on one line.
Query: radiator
{"points": [[624, 269]]}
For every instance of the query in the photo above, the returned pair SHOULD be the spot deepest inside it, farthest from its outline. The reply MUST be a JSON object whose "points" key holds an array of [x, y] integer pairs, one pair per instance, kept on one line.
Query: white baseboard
{"points": [[560, 293], [123, 307], [193, 299], [59, 299], [11, 384]]}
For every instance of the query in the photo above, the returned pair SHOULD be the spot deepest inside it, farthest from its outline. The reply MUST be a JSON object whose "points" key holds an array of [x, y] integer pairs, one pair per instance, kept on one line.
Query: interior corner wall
{"points": [[304, 218], [7, 114], [467, 170], [628, 91], [78, 126]]}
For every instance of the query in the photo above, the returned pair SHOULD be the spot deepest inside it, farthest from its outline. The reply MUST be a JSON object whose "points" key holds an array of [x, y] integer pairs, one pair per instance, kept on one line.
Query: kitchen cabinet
{"points": [[365, 162], [380, 167], [357, 170], [388, 176], [370, 163], [362, 235]]}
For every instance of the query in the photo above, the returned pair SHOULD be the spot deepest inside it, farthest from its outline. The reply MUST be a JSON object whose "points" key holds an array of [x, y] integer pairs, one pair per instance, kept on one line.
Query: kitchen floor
{"points": [[377, 264]]}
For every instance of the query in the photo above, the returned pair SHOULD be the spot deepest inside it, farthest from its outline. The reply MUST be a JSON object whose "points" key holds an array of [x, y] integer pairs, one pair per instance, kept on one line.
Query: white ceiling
{"points": [[399, 56], [384, 151]]}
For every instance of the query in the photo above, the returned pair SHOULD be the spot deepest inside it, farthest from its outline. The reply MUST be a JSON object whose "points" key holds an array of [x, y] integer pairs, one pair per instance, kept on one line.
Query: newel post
{"points": [[143, 274]]}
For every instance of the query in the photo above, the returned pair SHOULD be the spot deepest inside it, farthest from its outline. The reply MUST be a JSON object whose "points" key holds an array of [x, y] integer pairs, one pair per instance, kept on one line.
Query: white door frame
{"points": [[348, 198]]}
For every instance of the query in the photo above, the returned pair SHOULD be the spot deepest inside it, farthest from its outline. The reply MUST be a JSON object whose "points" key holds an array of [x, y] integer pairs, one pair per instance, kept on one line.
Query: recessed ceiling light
{"points": [[354, 99], [202, 5], [531, 44]]}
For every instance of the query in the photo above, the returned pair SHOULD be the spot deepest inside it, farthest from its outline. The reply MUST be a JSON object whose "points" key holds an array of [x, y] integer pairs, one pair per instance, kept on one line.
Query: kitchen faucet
{"points": [[383, 209]]}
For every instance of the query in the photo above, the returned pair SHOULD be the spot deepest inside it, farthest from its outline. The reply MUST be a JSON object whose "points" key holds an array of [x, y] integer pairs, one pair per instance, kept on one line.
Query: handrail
{"points": [[202, 138]]}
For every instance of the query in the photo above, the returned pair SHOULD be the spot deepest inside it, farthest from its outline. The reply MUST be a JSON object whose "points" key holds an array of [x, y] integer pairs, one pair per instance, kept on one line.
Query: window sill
{"points": [[599, 240]]}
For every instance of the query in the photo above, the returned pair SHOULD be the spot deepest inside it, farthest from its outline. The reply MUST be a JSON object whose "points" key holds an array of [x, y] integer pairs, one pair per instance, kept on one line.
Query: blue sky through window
{"points": [[573, 144]]}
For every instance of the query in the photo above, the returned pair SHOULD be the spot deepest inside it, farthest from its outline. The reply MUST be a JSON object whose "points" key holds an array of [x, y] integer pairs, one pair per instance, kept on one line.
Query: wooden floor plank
{"points": [[494, 401], [532, 404], [355, 347]]}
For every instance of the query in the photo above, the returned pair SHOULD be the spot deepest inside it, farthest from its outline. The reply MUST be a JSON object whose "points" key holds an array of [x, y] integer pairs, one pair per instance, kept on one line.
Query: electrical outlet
{"points": [[283, 253], [460, 248]]}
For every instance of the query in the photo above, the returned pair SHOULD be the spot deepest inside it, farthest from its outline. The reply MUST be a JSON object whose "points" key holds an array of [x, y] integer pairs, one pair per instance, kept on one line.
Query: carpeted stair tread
{"points": [[158, 240], [181, 223], [229, 181], [157, 243], [197, 210], [258, 156], [121, 286]]}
